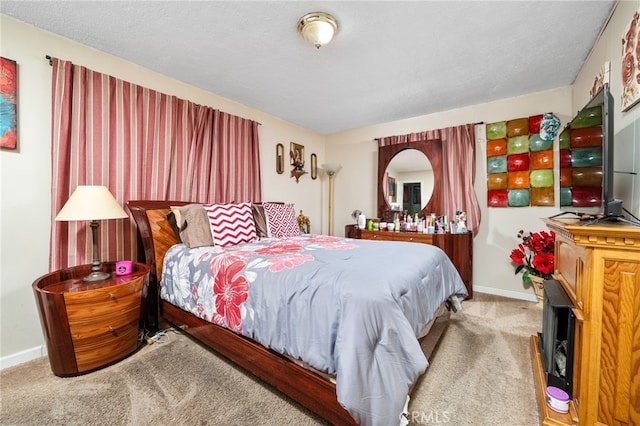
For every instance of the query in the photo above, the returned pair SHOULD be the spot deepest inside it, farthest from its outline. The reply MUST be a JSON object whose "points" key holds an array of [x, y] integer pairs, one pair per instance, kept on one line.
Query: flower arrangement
{"points": [[534, 255]]}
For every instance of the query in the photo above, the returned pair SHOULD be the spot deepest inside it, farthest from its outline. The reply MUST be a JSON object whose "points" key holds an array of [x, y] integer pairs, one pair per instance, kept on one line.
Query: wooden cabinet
{"points": [[459, 247], [599, 267], [91, 325]]}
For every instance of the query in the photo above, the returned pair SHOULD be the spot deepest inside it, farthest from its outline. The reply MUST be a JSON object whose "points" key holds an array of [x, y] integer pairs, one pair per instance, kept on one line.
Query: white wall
{"points": [[25, 216]]}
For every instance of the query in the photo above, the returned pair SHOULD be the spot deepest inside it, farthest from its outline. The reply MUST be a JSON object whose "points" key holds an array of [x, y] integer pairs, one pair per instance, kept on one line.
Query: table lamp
{"points": [[92, 203]]}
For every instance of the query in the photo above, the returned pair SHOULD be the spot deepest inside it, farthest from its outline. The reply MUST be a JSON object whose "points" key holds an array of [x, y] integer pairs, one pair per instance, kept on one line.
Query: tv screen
{"points": [[586, 163]]}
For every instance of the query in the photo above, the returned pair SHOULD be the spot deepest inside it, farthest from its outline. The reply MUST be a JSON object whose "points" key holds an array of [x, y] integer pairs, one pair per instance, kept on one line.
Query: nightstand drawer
{"points": [[98, 344], [107, 325], [93, 304]]}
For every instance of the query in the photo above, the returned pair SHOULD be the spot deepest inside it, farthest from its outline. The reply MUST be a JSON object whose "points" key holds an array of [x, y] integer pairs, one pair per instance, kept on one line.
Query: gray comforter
{"points": [[352, 308]]}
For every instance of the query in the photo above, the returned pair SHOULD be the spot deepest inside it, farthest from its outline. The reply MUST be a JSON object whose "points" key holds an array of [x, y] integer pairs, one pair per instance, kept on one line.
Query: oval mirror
{"points": [[409, 181], [429, 196]]}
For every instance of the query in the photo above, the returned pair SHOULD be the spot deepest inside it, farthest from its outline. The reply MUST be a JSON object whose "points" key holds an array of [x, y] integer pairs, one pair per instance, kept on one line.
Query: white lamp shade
{"points": [[330, 168], [91, 202]]}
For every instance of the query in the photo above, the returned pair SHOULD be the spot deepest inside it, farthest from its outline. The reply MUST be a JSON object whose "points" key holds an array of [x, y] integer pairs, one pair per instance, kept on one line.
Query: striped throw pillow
{"points": [[281, 220], [231, 224]]}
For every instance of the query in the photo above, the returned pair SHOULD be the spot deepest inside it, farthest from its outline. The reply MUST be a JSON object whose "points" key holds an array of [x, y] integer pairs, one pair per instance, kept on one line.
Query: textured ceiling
{"points": [[389, 61]]}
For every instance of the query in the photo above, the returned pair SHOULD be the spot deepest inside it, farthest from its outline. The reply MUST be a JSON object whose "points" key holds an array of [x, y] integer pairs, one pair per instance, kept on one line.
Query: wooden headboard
{"points": [[155, 236]]}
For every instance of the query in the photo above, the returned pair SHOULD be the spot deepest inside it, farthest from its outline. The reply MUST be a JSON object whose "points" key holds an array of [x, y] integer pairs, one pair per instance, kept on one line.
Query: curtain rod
{"points": [[50, 59], [377, 139]]}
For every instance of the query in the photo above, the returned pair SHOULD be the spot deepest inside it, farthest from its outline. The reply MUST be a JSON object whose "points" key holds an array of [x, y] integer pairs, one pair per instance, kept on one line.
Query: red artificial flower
{"points": [[517, 256], [535, 255]]}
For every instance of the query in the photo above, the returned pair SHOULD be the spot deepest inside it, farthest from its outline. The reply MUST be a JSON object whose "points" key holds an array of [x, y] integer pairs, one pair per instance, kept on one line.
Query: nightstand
{"points": [[91, 325]]}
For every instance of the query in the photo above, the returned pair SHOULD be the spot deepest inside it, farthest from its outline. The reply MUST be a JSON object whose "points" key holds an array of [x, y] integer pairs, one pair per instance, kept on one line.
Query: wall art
{"points": [[8, 104], [520, 162], [630, 63]]}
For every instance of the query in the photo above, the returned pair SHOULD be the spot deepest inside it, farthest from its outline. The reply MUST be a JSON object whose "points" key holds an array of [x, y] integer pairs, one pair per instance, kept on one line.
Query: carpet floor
{"points": [[480, 374]]}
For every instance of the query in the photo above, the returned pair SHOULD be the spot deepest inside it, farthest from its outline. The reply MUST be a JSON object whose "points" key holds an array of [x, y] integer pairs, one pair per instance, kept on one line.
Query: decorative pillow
{"points": [[193, 223], [260, 220], [231, 223], [281, 220]]}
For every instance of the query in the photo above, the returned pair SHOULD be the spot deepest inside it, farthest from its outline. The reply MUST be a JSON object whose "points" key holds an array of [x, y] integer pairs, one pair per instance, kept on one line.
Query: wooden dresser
{"points": [[91, 325], [599, 268], [459, 247]]}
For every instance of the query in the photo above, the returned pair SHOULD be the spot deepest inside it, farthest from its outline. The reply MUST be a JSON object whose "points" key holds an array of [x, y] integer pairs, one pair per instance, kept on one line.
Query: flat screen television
{"points": [[586, 164]]}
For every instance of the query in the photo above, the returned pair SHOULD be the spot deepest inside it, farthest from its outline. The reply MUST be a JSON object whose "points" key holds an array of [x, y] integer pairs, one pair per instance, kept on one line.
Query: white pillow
{"points": [[281, 220], [231, 224]]}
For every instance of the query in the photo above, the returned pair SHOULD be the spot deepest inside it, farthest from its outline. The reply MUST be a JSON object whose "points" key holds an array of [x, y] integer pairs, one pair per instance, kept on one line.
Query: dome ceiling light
{"points": [[318, 28]]}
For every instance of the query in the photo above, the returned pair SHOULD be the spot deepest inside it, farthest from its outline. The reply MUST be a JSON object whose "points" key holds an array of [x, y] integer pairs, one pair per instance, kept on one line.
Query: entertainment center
{"points": [[598, 267]]}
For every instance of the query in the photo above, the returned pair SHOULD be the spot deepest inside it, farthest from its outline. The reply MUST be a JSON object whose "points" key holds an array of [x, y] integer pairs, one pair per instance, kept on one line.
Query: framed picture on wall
{"points": [[8, 104], [297, 154], [630, 63]]}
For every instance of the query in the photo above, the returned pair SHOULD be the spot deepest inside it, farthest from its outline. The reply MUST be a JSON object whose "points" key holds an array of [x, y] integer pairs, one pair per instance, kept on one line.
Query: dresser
{"points": [[598, 266], [89, 325], [459, 247]]}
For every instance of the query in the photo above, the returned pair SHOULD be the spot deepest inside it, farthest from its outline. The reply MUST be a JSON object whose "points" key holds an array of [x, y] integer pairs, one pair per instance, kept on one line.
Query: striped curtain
{"points": [[459, 148], [140, 144]]}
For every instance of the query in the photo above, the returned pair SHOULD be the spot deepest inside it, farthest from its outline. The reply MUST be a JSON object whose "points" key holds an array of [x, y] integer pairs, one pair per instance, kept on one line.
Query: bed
{"points": [[358, 361]]}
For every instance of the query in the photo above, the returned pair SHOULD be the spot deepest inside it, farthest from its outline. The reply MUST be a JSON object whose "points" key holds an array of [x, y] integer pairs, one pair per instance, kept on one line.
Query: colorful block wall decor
{"points": [[581, 160], [520, 163]]}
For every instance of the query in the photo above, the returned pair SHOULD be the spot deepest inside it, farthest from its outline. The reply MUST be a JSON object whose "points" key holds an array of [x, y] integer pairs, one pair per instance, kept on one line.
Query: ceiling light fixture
{"points": [[318, 28]]}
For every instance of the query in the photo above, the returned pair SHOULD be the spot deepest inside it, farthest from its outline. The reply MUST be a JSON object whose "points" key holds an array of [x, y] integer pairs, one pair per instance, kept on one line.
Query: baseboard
{"points": [[22, 357], [506, 293]]}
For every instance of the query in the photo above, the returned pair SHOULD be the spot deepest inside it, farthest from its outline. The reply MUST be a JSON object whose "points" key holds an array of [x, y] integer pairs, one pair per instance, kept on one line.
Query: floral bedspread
{"points": [[352, 308]]}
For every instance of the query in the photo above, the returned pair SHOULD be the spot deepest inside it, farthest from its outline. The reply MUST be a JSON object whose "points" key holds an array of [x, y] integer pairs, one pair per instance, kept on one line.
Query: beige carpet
{"points": [[480, 374]]}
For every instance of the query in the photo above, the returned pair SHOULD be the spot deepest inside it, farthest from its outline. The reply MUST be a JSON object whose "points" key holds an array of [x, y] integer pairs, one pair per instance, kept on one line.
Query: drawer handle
{"points": [[111, 329], [112, 296]]}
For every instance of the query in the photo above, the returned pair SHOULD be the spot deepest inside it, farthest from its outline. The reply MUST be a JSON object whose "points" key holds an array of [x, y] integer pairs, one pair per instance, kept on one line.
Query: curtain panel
{"points": [[140, 144], [459, 147]]}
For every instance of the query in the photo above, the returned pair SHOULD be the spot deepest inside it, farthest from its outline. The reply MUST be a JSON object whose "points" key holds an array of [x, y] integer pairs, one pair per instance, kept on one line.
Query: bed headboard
{"points": [[156, 236]]}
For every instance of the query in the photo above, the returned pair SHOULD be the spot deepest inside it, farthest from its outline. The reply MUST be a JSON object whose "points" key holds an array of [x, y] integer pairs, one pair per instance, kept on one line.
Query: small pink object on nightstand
{"points": [[124, 267]]}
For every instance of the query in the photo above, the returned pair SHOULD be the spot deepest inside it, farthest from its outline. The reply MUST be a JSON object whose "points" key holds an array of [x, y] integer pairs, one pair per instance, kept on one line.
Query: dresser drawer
{"points": [[381, 236], [415, 238], [93, 304]]}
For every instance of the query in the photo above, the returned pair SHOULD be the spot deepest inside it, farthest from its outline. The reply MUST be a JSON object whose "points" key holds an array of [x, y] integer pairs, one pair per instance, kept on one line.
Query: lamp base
{"points": [[96, 276]]}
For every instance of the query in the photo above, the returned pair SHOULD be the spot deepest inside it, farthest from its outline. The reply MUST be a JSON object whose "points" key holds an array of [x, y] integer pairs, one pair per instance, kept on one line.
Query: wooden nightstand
{"points": [[91, 325]]}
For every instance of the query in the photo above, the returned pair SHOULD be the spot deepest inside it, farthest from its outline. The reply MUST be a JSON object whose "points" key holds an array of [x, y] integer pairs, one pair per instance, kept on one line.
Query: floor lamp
{"points": [[330, 170]]}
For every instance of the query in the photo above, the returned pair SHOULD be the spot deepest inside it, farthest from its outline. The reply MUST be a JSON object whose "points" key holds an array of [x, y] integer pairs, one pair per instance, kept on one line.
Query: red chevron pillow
{"points": [[281, 220], [231, 224]]}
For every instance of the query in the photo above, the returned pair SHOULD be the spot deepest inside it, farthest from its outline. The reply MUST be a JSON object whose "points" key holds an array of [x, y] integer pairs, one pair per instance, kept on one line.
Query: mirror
{"points": [[279, 158], [423, 199], [314, 166], [409, 181]]}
